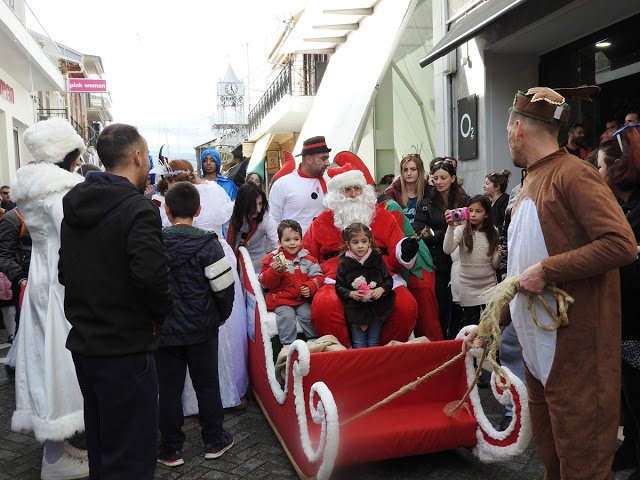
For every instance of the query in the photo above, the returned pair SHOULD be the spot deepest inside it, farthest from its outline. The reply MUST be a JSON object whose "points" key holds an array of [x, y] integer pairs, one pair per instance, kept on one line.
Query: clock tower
{"points": [[230, 120]]}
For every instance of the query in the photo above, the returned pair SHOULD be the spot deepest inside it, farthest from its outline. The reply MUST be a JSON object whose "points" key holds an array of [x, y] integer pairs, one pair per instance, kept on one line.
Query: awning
{"points": [[259, 151], [469, 26], [352, 78]]}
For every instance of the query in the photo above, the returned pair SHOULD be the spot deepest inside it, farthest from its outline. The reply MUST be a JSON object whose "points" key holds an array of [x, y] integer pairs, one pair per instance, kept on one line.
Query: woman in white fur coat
{"points": [[48, 399]]}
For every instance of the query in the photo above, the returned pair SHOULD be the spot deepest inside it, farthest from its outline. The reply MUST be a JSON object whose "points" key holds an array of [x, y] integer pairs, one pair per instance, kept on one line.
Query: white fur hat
{"points": [[345, 176], [51, 140]]}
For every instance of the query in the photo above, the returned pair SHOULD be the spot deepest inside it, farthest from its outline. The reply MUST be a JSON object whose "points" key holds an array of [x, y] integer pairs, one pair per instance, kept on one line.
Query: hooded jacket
{"points": [[221, 180], [201, 283], [114, 268]]}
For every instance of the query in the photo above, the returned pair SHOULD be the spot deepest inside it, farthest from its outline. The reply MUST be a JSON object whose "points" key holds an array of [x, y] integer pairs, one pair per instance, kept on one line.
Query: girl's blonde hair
{"points": [[419, 183], [354, 229]]}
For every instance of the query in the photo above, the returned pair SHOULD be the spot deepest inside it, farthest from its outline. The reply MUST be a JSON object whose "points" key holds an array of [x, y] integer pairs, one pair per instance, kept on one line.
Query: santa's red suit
{"points": [[324, 242]]}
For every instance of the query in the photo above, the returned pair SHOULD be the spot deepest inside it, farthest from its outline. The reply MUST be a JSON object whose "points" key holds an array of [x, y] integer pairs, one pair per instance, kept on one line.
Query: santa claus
{"points": [[350, 200]]}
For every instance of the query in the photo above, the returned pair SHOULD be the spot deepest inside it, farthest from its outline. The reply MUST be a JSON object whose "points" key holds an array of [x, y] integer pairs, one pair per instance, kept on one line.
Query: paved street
{"points": [[257, 453]]}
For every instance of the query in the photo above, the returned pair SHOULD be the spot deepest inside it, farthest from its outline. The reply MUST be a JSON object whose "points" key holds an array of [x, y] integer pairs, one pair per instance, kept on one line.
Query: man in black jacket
{"points": [[114, 269]]}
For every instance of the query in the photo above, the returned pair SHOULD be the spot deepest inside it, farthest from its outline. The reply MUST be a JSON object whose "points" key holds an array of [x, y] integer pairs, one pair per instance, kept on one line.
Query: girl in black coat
{"points": [[364, 285]]}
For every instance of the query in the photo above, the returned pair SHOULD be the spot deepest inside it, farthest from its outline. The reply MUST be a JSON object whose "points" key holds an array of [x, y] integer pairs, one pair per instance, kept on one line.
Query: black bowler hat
{"points": [[314, 145]]}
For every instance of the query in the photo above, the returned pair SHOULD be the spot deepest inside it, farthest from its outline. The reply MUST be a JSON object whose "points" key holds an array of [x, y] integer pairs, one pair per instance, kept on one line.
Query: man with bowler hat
{"points": [[299, 195]]}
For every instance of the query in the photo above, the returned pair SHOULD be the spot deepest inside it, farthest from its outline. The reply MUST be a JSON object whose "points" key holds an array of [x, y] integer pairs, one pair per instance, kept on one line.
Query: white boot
{"points": [[66, 468], [75, 451]]}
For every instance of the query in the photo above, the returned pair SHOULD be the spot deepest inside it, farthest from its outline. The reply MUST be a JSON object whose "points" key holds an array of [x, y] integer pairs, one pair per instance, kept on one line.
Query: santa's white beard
{"points": [[351, 210]]}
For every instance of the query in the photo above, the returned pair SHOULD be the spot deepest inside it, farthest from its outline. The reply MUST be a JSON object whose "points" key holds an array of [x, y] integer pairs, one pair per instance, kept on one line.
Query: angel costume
{"points": [[232, 336], [48, 397]]}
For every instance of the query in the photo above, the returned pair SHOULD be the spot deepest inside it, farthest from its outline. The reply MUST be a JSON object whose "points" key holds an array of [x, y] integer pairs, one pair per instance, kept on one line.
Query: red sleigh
{"points": [[323, 390]]}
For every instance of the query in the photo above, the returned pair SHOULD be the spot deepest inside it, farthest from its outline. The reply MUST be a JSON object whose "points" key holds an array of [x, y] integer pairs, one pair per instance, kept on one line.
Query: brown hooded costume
{"points": [[567, 218]]}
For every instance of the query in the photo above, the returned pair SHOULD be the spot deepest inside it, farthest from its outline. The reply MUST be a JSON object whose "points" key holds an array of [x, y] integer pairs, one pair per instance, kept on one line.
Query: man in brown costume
{"points": [[567, 228]]}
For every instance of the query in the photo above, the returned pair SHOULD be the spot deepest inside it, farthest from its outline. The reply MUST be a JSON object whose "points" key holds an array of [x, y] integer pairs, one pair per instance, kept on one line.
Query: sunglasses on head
{"points": [[617, 134], [441, 162]]}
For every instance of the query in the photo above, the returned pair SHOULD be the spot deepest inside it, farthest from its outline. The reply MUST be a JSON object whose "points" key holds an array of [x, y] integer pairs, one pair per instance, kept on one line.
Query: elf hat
{"points": [[53, 139], [288, 166], [345, 176]]}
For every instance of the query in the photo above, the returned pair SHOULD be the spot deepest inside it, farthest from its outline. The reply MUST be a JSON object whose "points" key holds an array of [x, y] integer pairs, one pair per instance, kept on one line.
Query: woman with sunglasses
{"points": [[619, 164], [431, 224], [411, 187]]}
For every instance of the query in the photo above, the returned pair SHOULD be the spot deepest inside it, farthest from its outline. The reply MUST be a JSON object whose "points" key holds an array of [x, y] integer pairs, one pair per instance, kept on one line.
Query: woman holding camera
{"points": [[431, 224]]}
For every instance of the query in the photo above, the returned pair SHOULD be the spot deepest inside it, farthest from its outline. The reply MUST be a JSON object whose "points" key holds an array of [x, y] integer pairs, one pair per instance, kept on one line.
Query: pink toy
{"points": [[361, 285]]}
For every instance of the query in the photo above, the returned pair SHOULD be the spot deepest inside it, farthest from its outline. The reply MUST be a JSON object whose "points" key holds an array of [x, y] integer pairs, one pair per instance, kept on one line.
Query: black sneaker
{"points": [[215, 450], [170, 458]]}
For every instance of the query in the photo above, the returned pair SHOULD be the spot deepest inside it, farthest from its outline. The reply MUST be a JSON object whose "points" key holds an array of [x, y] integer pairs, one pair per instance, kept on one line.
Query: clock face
{"points": [[231, 88]]}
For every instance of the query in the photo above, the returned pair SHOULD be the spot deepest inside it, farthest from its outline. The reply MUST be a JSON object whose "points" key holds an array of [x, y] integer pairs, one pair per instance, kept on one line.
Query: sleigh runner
{"points": [[311, 414]]}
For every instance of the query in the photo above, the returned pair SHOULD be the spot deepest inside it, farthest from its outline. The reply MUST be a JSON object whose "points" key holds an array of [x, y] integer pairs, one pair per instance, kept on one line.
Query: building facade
{"points": [[437, 77], [484, 52]]}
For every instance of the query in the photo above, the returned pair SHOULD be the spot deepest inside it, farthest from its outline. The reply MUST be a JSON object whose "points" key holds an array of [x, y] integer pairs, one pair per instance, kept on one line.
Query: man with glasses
{"points": [[299, 195], [6, 204]]}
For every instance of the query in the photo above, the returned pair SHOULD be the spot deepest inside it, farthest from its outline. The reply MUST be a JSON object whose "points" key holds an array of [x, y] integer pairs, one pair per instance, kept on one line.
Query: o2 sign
{"points": [[467, 128]]}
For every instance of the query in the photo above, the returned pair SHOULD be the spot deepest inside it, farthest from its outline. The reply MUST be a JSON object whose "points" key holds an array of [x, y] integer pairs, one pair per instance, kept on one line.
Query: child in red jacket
{"points": [[292, 277]]}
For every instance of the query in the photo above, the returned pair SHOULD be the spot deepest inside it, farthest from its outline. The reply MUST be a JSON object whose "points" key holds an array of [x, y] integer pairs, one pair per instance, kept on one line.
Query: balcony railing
{"points": [[47, 113], [300, 78]]}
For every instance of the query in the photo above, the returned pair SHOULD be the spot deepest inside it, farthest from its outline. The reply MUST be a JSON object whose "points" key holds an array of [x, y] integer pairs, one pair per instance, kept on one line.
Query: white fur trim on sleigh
{"points": [[322, 405], [57, 430], [485, 451]]}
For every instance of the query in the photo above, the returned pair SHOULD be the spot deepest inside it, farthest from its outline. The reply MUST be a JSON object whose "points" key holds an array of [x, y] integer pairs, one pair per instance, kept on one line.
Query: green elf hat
{"points": [[258, 169]]}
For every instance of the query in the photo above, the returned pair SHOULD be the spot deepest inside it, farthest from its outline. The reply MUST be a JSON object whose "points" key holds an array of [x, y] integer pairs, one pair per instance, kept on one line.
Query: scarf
{"points": [[361, 259], [323, 184], [232, 236]]}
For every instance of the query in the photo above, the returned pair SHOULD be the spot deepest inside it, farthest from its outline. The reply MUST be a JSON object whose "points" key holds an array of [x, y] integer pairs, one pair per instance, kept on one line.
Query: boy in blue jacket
{"points": [[201, 283]]}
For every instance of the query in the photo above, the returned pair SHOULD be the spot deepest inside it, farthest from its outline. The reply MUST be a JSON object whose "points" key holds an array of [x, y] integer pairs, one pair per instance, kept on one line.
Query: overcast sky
{"points": [[163, 60]]}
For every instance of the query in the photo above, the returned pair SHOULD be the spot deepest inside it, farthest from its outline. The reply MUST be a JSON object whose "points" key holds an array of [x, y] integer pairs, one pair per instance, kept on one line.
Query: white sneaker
{"points": [[66, 468], [75, 451]]}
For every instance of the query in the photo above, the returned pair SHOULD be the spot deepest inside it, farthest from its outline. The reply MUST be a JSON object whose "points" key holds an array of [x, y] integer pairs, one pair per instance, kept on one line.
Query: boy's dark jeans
{"points": [[172, 362]]}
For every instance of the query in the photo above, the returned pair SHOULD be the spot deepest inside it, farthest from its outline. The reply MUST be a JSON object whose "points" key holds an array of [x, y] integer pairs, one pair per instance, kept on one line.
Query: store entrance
{"points": [[609, 58]]}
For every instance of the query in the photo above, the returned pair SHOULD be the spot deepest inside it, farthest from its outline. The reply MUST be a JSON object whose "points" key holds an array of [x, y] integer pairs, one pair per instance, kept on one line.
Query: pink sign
{"points": [[87, 85]]}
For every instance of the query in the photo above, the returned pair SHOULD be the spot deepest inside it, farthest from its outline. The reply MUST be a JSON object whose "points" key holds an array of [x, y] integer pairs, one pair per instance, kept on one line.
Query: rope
{"points": [[489, 326], [499, 298], [404, 389]]}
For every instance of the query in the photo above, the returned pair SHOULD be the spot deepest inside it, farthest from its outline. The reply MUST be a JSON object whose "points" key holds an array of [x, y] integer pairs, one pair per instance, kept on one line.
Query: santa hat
{"points": [[53, 139], [345, 176], [344, 158], [288, 166]]}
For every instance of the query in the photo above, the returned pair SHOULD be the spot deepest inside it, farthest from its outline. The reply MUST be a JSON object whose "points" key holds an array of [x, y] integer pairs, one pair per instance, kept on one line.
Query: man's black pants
{"points": [[120, 415]]}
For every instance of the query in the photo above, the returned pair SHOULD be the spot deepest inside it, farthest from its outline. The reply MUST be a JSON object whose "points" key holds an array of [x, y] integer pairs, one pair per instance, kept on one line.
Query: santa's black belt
{"points": [[335, 253]]}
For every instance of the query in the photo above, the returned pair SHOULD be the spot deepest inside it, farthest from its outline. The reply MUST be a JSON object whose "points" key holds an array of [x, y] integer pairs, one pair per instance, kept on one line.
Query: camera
{"points": [[460, 214]]}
